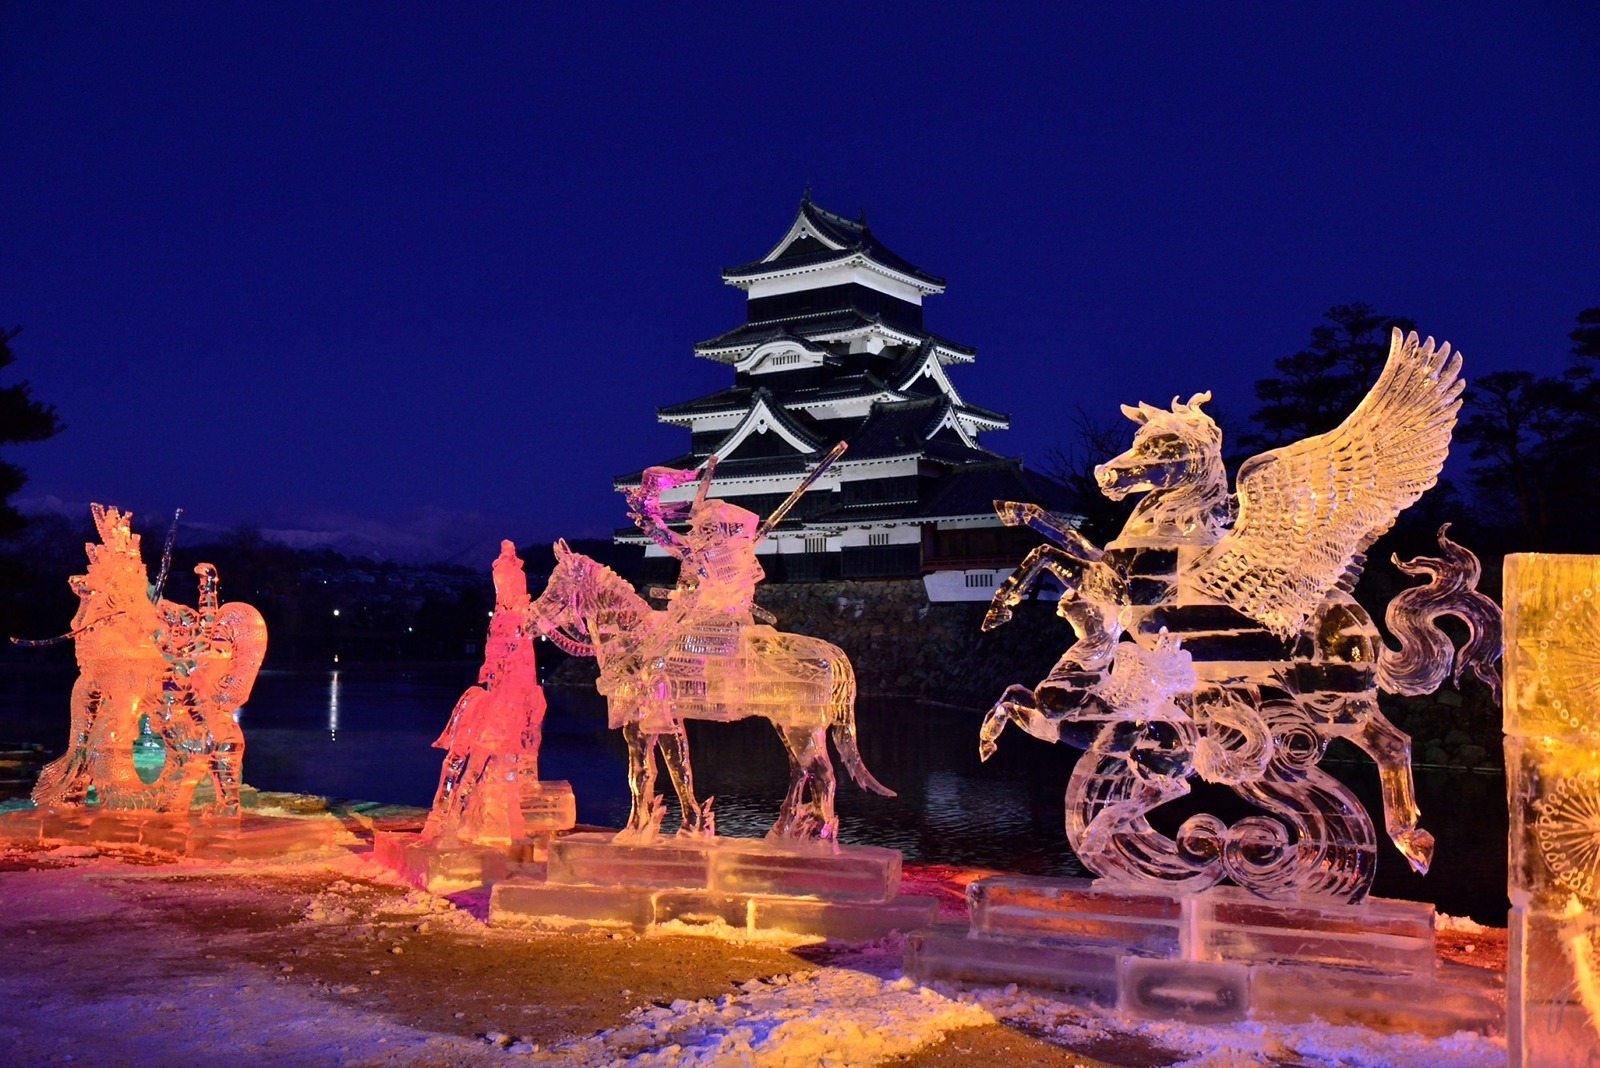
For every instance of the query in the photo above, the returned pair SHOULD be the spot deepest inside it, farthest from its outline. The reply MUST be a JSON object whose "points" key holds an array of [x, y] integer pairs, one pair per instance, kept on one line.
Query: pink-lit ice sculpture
{"points": [[141, 657], [704, 658], [1254, 588], [492, 739]]}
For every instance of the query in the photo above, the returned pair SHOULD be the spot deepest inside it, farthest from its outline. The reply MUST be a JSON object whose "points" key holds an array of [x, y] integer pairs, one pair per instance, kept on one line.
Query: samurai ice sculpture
{"points": [[492, 740], [142, 657], [1217, 637], [704, 657]]}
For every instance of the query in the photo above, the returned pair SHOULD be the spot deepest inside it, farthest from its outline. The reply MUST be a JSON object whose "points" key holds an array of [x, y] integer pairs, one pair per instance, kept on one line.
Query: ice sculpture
{"points": [[142, 657], [1552, 725], [492, 740], [1254, 588], [704, 658]]}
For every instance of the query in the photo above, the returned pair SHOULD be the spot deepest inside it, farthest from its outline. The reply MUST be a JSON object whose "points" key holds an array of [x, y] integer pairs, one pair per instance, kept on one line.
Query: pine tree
{"points": [[1317, 387], [22, 419]]}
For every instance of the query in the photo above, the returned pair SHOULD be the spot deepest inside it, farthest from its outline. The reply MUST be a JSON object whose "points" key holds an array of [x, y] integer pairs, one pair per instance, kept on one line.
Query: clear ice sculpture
{"points": [[1552, 726], [492, 740], [703, 657], [1253, 588], [143, 658]]}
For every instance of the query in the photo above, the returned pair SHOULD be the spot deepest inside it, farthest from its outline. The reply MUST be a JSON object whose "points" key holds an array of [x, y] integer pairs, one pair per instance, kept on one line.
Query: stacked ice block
{"points": [[446, 866], [848, 893], [1552, 727], [247, 837], [1212, 957]]}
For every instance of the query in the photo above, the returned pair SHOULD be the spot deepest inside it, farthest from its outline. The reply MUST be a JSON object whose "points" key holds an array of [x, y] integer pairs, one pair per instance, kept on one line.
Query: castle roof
{"points": [[818, 238]]}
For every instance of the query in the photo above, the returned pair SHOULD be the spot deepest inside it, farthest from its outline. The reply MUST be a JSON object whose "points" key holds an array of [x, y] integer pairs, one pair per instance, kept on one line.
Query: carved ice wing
{"points": [[1309, 510]]}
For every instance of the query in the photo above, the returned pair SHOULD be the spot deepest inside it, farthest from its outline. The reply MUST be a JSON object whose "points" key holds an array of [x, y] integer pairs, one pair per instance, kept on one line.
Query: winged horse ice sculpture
{"points": [[1253, 590]]}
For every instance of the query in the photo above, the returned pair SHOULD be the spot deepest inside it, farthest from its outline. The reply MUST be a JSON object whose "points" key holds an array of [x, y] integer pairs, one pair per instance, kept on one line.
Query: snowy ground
{"points": [[128, 958]]}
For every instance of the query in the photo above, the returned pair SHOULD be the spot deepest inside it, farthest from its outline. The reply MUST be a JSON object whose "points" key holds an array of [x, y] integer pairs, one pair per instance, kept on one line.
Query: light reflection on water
{"points": [[367, 733], [333, 706]]}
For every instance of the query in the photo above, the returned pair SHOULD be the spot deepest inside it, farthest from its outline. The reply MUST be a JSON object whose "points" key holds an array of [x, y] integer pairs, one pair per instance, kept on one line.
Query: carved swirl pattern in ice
{"points": [[1254, 587]]}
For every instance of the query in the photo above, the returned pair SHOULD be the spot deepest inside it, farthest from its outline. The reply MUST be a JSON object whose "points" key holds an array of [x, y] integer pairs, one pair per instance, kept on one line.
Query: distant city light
{"points": [[335, 611]]}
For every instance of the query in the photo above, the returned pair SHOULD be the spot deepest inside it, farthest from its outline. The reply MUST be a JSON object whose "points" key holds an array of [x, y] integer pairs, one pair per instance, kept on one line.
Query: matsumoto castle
{"points": [[833, 349]]}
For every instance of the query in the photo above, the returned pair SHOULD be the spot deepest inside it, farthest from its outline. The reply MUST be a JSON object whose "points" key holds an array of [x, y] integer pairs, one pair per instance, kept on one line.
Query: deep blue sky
{"points": [[431, 268]]}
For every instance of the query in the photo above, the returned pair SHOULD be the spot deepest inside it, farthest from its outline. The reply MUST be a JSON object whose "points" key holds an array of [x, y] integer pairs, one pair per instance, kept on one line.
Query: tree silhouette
{"points": [[1533, 440], [1318, 386], [22, 419]]}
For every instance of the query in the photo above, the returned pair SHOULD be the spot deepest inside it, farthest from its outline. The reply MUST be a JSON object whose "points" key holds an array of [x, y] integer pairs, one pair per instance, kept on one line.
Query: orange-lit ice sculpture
{"points": [[1552, 725], [141, 657], [492, 739], [704, 658], [1255, 585]]}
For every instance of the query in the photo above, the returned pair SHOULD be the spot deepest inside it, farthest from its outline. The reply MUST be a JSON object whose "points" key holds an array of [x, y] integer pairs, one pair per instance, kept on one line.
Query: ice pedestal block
{"points": [[1393, 936], [548, 807], [856, 873], [523, 900], [1552, 726], [1210, 957], [1190, 990], [247, 837], [437, 867], [842, 921], [594, 859], [1456, 998], [1085, 974], [730, 865], [721, 883], [1072, 910]]}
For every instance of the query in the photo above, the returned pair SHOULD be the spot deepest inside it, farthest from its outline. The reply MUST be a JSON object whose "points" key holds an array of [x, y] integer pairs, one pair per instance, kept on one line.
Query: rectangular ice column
{"points": [[1552, 727]]}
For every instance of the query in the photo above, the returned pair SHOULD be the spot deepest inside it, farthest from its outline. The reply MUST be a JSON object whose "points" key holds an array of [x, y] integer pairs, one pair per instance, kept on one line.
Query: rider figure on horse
{"points": [[719, 572]]}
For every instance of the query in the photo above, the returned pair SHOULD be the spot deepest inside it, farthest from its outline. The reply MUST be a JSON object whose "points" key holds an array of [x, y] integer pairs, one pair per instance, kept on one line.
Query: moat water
{"points": [[366, 733]]}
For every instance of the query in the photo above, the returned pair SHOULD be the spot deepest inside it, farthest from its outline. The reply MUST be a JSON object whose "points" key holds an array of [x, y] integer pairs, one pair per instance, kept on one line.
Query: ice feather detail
{"points": [[1308, 511]]}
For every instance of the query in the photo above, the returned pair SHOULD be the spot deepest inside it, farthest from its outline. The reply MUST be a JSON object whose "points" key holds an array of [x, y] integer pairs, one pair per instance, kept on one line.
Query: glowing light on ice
{"points": [[705, 657], [492, 740], [1253, 584], [139, 655], [1553, 773]]}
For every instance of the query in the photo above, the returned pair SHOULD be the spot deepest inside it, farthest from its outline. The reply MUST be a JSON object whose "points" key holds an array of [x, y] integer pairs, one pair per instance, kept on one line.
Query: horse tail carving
{"points": [[1426, 654], [842, 721]]}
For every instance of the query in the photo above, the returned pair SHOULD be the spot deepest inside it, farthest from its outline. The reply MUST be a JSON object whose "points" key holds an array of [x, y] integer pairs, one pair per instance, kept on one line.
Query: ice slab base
{"points": [[446, 867], [1215, 957], [247, 837], [747, 886]]}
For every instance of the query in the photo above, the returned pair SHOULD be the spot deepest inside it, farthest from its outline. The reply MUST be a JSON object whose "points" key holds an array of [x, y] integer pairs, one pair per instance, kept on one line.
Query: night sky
{"points": [[425, 271]]}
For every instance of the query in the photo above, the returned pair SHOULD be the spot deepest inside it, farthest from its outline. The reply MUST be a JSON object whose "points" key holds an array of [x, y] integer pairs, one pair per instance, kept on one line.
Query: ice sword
{"points": [[799, 491]]}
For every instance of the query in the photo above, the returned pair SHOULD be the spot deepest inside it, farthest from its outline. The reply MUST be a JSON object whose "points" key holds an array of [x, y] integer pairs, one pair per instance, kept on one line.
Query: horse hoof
{"points": [[1417, 847]]}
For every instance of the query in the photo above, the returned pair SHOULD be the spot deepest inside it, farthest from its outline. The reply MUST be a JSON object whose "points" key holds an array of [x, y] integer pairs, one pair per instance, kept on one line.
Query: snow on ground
{"points": [[138, 998], [862, 1010]]}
